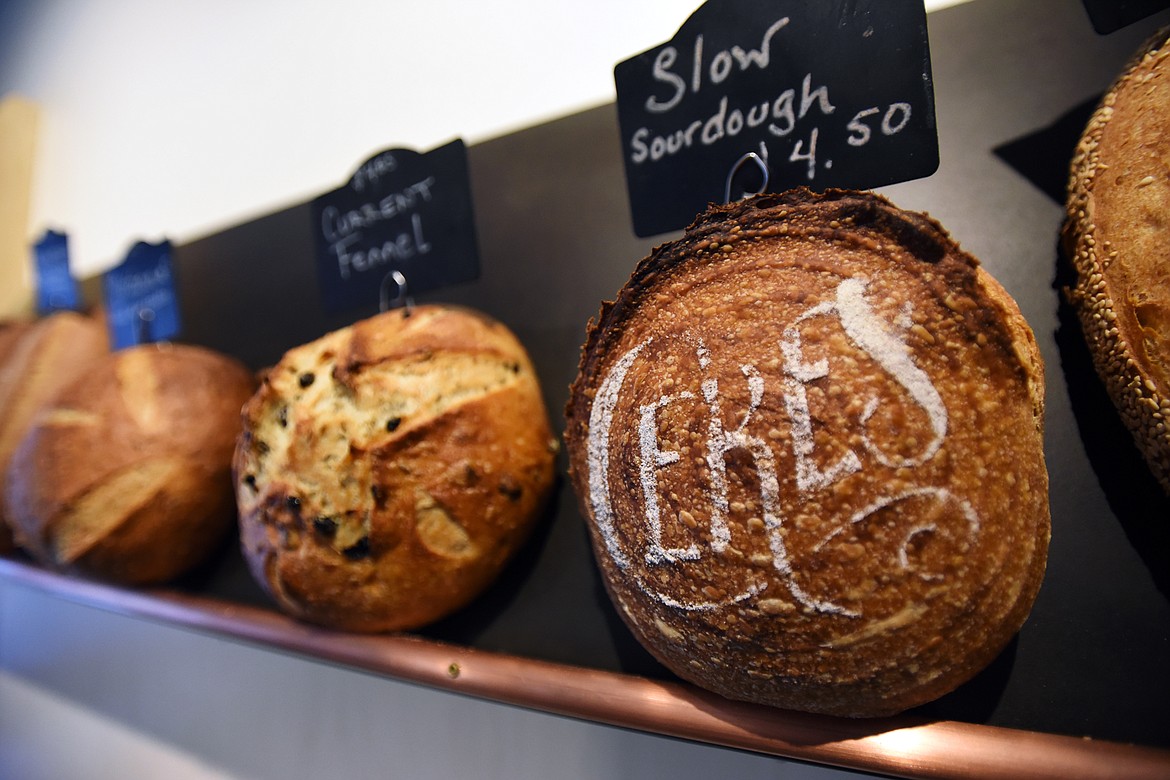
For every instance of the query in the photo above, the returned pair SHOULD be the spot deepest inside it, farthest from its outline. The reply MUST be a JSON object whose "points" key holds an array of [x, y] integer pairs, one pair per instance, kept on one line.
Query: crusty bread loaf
{"points": [[1118, 237], [388, 470], [807, 437], [126, 477], [36, 361], [10, 333]]}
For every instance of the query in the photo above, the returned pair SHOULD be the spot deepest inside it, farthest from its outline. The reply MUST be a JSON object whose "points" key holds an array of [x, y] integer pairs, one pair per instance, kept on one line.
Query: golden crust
{"points": [[1118, 237], [126, 477], [387, 471], [808, 439], [37, 360]]}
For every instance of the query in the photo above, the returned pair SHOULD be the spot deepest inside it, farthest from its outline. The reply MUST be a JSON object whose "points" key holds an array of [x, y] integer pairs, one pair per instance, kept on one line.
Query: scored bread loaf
{"points": [[1117, 236], [36, 361], [126, 477], [388, 470], [807, 437]]}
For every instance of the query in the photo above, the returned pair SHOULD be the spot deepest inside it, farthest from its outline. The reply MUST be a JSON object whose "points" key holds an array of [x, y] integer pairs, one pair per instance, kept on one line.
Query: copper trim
{"points": [[895, 746]]}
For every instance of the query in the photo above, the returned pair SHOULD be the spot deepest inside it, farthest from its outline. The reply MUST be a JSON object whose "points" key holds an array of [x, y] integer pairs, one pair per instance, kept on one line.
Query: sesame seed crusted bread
{"points": [[388, 470], [37, 360], [807, 437], [1118, 237], [126, 476]]}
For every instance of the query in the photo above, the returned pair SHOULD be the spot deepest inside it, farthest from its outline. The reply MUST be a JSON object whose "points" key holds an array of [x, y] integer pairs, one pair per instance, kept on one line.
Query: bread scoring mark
{"points": [[438, 531], [667, 631], [341, 425], [900, 619], [67, 417], [870, 335], [93, 516]]}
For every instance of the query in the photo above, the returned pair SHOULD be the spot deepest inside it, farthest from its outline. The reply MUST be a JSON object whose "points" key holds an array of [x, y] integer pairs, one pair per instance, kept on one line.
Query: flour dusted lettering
{"points": [[881, 342]]}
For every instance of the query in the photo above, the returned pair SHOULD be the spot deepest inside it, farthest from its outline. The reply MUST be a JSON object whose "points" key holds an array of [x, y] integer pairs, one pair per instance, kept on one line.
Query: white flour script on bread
{"points": [[808, 440], [870, 335]]}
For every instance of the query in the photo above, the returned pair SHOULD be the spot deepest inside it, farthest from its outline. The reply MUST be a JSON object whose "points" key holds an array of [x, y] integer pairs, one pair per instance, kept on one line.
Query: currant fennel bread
{"points": [[387, 471], [807, 437], [38, 359], [126, 476], [1117, 237]]}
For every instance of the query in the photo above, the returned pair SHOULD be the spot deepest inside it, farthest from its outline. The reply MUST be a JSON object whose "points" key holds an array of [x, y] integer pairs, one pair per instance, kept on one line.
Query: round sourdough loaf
{"points": [[388, 470], [807, 437], [126, 476], [37, 360], [1118, 236]]}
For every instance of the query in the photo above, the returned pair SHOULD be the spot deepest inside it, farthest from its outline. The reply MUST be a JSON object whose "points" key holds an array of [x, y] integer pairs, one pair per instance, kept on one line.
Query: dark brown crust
{"points": [[782, 614], [1117, 238], [440, 496], [922, 235], [140, 450]]}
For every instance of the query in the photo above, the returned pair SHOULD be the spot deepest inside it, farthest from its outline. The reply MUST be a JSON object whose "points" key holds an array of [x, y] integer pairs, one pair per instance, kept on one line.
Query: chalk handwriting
{"points": [[337, 224], [722, 65], [869, 334], [343, 230], [403, 246], [382, 165], [779, 115]]}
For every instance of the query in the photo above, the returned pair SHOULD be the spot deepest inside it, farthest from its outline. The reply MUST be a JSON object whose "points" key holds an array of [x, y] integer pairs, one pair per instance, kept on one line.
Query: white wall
{"points": [[179, 118]]}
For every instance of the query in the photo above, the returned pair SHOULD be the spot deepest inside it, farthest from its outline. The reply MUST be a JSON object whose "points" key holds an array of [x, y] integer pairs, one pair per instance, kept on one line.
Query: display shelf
{"points": [[1083, 690], [904, 747]]}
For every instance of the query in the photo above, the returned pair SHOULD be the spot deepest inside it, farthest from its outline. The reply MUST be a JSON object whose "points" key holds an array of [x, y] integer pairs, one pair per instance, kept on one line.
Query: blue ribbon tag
{"points": [[141, 304], [56, 287]]}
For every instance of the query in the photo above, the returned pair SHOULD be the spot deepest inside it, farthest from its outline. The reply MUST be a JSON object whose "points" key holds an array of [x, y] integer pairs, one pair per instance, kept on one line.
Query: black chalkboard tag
{"points": [[57, 290], [832, 93], [400, 211], [1109, 16], [140, 299]]}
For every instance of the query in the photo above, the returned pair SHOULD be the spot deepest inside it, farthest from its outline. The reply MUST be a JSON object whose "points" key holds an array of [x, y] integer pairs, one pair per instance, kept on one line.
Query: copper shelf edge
{"points": [[899, 747]]}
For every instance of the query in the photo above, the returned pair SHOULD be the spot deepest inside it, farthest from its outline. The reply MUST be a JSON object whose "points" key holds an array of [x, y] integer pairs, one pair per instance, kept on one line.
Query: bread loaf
{"points": [[1117, 237], [126, 477], [388, 470], [36, 361], [807, 438]]}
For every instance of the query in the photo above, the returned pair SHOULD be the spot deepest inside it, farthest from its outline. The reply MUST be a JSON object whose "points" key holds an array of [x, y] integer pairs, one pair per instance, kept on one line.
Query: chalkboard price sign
{"points": [[832, 93], [141, 304], [400, 211], [1111, 15]]}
